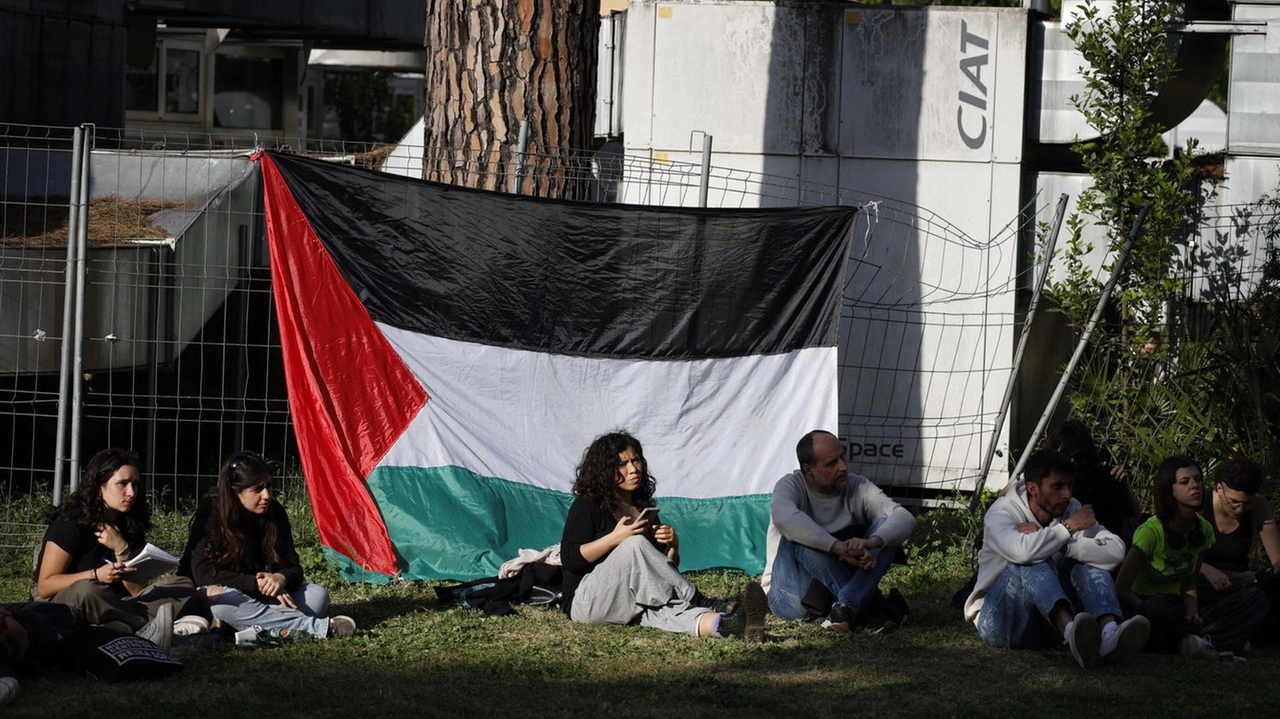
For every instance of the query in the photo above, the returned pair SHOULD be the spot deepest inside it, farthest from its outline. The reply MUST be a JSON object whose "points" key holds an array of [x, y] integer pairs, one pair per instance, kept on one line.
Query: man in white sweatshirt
{"points": [[1044, 571], [831, 535]]}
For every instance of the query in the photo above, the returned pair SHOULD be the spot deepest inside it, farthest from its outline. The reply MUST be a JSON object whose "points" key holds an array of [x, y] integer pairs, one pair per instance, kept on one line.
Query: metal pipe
{"points": [[705, 183], [82, 245], [64, 368], [1051, 243], [522, 147], [1084, 341]]}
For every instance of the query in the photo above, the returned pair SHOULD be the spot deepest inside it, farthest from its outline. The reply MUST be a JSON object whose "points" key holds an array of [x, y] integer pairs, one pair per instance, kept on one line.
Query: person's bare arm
{"points": [[1133, 563], [54, 576]]}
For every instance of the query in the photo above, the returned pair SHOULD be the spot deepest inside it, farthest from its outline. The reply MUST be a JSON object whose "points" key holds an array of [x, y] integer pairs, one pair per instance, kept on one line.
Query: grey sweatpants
{"points": [[98, 604], [636, 581]]}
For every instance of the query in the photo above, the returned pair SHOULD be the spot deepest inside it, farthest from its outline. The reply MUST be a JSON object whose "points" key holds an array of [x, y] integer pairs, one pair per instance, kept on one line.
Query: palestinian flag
{"points": [[450, 353]]}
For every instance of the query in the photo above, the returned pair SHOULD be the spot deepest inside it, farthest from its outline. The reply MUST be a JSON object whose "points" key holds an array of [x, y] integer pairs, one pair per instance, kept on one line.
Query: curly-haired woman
{"points": [[91, 536], [621, 567]]}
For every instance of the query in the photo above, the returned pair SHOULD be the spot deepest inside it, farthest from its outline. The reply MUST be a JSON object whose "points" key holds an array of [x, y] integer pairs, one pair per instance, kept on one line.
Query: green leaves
{"points": [[1163, 375]]}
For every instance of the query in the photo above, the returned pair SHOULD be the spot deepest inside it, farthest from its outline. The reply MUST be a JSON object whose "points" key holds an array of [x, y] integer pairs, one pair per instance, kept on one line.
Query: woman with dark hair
{"points": [[240, 552], [1158, 577], [1238, 513], [620, 562], [91, 536]]}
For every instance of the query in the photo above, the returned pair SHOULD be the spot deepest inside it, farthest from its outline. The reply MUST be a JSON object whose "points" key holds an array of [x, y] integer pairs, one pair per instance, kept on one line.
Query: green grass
{"points": [[413, 656]]}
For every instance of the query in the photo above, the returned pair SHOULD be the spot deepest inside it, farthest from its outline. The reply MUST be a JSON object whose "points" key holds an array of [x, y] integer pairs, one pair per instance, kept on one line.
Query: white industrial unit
{"points": [[921, 116], [914, 112]]}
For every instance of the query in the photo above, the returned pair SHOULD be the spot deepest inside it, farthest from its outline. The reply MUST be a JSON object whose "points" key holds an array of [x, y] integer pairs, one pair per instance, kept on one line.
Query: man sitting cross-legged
{"points": [[832, 537], [1044, 571]]}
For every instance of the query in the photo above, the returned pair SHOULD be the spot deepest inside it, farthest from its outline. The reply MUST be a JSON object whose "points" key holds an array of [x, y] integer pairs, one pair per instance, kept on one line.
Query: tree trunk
{"points": [[494, 63]]}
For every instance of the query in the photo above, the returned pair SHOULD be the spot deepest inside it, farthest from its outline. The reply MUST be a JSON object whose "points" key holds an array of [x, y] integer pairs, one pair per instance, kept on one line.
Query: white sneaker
{"points": [[189, 625], [1125, 639], [1083, 637], [1194, 646], [159, 631], [341, 627], [9, 690]]}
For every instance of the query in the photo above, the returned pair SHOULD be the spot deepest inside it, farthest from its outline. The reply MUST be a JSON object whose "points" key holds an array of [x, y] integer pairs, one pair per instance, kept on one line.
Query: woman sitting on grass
{"points": [[91, 536], [1158, 577], [1238, 512], [240, 552], [620, 567]]}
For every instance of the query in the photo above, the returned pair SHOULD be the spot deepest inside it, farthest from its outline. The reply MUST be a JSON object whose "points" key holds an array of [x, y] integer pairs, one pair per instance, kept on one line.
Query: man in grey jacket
{"points": [[831, 535], [1044, 571]]}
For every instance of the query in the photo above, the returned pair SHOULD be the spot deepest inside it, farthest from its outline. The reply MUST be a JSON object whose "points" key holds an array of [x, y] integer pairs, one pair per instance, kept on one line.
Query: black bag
{"points": [[112, 656], [537, 584]]}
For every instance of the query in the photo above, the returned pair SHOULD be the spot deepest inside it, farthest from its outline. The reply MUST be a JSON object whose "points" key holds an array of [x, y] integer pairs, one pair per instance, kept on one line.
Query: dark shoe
{"points": [[839, 619], [880, 623], [896, 607], [729, 606], [756, 607]]}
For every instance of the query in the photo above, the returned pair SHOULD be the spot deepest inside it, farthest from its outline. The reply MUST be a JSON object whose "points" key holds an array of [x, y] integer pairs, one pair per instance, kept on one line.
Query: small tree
{"points": [[1129, 57]]}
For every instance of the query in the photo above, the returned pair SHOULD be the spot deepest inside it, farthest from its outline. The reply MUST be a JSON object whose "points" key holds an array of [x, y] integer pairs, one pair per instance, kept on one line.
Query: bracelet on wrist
{"points": [[93, 575]]}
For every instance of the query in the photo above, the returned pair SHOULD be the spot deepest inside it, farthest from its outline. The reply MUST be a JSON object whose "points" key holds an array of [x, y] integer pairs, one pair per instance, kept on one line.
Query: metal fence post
{"points": [[82, 248], [705, 183], [1084, 341], [72, 271]]}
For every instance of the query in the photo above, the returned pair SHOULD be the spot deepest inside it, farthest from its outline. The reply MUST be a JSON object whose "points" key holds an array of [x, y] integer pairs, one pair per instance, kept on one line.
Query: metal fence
{"points": [[179, 357]]}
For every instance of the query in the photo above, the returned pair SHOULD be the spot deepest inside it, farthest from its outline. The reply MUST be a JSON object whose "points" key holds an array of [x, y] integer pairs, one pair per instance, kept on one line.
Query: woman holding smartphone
{"points": [[620, 561]]}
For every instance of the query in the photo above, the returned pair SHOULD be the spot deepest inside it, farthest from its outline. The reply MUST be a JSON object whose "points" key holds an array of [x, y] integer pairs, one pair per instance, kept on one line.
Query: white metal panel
{"points": [[933, 85], [1255, 85], [405, 159], [638, 59], [731, 71], [165, 176], [927, 328]]}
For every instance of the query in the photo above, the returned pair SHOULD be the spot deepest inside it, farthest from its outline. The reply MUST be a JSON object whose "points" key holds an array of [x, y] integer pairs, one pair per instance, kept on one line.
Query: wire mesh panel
{"points": [[34, 209], [181, 358]]}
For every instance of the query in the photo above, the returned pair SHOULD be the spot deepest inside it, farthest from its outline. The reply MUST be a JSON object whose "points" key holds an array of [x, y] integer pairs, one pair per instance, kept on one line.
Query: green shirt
{"points": [[1167, 567]]}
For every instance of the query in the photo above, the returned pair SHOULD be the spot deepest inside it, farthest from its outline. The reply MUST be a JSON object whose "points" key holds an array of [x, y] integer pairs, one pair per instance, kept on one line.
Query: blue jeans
{"points": [[796, 566], [237, 609], [1017, 610]]}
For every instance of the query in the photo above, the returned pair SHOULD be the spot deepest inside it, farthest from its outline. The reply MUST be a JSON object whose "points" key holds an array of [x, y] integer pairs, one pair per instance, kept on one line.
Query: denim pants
{"points": [[1017, 609], [796, 566], [237, 609]]}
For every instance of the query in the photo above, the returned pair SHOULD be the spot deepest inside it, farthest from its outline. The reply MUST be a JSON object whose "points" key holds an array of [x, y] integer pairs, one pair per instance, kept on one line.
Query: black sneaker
{"points": [[896, 607], [880, 623], [729, 606], [839, 619]]}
